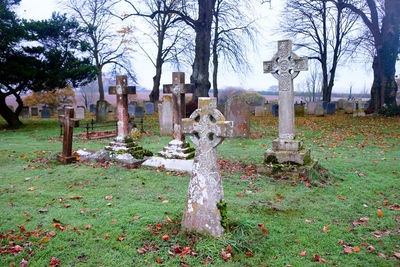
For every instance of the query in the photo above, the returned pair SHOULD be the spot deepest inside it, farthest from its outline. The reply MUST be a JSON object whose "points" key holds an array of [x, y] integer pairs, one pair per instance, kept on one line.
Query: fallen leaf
{"points": [[395, 206], [76, 197], [249, 254], [229, 249], [165, 202], [31, 188], [397, 255], [348, 250], [45, 239], [120, 238], [225, 256], [370, 248], [109, 197], [326, 228], [380, 214], [239, 195], [67, 206], [265, 231], [343, 198], [304, 253], [23, 263], [87, 227], [107, 236], [136, 217], [379, 234], [159, 261], [169, 220], [165, 237], [356, 249], [54, 261]]}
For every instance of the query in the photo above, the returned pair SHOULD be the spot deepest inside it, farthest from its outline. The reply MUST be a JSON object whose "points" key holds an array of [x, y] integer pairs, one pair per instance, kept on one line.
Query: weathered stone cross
{"points": [[207, 128], [69, 124], [122, 90], [178, 89], [285, 66]]}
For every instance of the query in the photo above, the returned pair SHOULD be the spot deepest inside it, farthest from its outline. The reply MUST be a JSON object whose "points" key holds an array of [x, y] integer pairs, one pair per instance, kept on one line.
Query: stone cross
{"points": [[285, 66], [122, 90], [207, 128], [69, 124], [178, 89]]}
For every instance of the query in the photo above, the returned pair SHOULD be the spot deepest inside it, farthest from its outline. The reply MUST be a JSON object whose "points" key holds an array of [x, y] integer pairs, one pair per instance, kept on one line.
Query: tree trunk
{"points": [[200, 75], [100, 82], [155, 93], [9, 116]]}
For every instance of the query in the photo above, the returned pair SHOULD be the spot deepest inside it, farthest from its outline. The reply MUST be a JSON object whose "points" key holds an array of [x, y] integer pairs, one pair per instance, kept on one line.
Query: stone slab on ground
{"points": [[102, 156], [169, 164]]}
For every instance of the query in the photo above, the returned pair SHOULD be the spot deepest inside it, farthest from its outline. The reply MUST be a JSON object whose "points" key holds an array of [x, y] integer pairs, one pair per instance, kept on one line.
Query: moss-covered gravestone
{"points": [[205, 210], [287, 153]]}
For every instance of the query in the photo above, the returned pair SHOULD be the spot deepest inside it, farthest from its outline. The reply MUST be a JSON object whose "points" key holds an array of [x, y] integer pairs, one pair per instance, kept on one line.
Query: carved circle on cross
{"points": [[284, 66], [205, 128], [176, 89]]}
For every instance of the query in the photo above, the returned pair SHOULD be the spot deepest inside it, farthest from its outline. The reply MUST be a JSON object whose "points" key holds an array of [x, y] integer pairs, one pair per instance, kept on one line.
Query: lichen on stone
{"points": [[223, 210]]}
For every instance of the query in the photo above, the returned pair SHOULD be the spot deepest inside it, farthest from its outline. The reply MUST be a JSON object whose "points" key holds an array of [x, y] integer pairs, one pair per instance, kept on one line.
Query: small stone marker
{"points": [[331, 108], [149, 108], [102, 107], [92, 108], [25, 112], [299, 111], [340, 103], [165, 115], [45, 112], [260, 111], [139, 112], [319, 110], [177, 148], [69, 124], [122, 90], [238, 111], [207, 128], [268, 107], [34, 111], [80, 112], [131, 110], [348, 107], [311, 106]]}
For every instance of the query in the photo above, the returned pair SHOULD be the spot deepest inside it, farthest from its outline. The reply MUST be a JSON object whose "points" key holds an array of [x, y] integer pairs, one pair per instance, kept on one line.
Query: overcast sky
{"points": [[359, 75]]}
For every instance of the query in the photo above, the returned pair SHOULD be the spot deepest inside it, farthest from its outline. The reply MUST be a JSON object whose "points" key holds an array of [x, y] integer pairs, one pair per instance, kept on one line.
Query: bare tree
{"points": [[89, 93], [108, 46], [383, 21], [233, 33], [324, 29], [186, 12], [167, 36]]}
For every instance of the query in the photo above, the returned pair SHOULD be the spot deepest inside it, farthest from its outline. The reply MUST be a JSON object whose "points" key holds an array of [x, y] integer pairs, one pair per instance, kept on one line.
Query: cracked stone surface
{"points": [[207, 128]]}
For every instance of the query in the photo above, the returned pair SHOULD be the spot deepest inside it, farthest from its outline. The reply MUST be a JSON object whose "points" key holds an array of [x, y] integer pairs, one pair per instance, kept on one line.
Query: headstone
{"points": [[25, 112], [45, 112], [149, 108], [275, 110], [299, 111], [340, 104], [331, 108], [285, 66], [311, 106], [238, 111], [358, 109], [177, 148], [325, 104], [260, 111], [348, 107], [92, 108], [34, 111], [122, 90], [319, 110], [80, 112], [131, 110], [207, 128], [165, 115], [69, 124], [268, 107], [139, 112], [102, 107]]}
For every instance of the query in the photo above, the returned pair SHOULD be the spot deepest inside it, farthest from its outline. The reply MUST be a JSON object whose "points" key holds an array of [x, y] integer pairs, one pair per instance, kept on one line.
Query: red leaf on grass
{"points": [[165, 237], [225, 256], [380, 214], [343, 198], [229, 249], [54, 261], [239, 195], [304, 253], [159, 261]]}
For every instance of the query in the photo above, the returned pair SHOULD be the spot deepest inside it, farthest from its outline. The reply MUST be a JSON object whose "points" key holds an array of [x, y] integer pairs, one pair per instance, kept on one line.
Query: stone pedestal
{"points": [[176, 149]]}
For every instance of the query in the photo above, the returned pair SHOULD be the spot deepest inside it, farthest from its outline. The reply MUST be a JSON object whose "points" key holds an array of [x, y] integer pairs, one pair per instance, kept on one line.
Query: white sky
{"points": [[357, 75]]}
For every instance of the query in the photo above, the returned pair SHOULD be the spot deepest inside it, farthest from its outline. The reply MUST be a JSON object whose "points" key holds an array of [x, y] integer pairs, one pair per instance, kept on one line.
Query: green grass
{"points": [[362, 156]]}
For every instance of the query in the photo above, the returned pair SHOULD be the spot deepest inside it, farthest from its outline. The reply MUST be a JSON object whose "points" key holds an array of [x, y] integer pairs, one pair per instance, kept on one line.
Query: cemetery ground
{"points": [[346, 214]]}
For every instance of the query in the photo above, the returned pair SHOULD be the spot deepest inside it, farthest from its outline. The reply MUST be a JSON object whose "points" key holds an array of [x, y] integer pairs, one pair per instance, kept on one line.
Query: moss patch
{"points": [[222, 207]]}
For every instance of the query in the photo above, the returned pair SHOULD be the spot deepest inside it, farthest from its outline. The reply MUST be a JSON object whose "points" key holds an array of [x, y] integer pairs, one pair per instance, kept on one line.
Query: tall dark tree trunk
{"points": [[200, 75], [100, 82], [215, 57], [8, 115], [155, 93], [324, 55]]}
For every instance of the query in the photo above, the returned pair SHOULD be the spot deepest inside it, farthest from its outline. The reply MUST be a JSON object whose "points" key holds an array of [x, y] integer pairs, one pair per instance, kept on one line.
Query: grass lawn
{"points": [[107, 215]]}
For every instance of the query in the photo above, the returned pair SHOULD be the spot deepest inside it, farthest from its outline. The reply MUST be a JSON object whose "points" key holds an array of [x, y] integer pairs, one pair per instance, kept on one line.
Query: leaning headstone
{"points": [[299, 111], [131, 110], [286, 150], [139, 112], [348, 107], [34, 111], [311, 106], [260, 111], [331, 108], [45, 112], [207, 129], [149, 108], [165, 115], [25, 112], [68, 122], [80, 112], [275, 110], [238, 111], [102, 107]]}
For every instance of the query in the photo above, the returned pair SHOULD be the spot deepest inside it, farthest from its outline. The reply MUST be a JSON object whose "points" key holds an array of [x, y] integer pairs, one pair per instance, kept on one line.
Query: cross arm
{"points": [[268, 66], [129, 90], [224, 129]]}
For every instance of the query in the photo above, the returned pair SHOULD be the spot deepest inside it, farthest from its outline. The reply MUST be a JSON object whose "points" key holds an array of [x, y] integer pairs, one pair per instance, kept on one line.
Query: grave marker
{"points": [[331, 108], [238, 111], [25, 112], [80, 112], [69, 124], [34, 111], [45, 112], [207, 128], [131, 110], [139, 112], [165, 115], [149, 108]]}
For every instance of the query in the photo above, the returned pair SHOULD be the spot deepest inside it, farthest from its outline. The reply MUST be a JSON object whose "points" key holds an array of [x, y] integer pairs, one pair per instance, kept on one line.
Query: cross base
{"points": [[129, 147], [177, 149], [66, 159], [284, 151]]}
